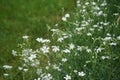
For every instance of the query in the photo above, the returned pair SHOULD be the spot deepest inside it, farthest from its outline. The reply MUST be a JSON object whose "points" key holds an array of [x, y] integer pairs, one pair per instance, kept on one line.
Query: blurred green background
{"points": [[27, 17]]}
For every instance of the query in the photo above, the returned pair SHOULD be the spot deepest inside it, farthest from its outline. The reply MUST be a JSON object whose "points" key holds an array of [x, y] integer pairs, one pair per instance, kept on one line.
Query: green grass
{"points": [[27, 17]]}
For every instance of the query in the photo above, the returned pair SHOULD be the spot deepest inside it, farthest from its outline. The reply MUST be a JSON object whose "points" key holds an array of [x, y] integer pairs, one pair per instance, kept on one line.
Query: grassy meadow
{"points": [[60, 40]]}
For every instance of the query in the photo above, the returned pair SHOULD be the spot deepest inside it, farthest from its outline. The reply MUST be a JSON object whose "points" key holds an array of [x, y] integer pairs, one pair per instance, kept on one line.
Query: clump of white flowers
{"points": [[84, 43], [7, 67], [25, 37], [44, 49], [81, 73], [43, 40], [64, 18]]}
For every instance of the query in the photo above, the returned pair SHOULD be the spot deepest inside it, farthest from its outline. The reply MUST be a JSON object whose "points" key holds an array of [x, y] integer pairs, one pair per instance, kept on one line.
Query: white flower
{"points": [[32, 56], [64, 59], [116, 14], [25, 37], [104, 3], [56, 24], [93, 3], [39, 71], [105, 24], [25, 70], [78, 2], [45, 49], [56, 67], [87, 3], [95, 26], [25, 52], [47, 67], [6, 74], [75, 71], [46, 40], [14, 53], [67, 15], [65, 36], [96, 8], [60, 39], [35, 63], [78, 5], [87, 61], [79, 48], [66, 51], [100, 13], [105, 57], [89, 34], [38, 79], [7, 67], [99, 50], [113, 44], [84, 23], [101, 22], [67, 77], [81, 73], [55, 30], [42, 40], [107, 38], [20, 68], [55, 48], [39, 39], [91, 29], [79, 29], [47, 77], [64, 18], [71, 46], [118, 37], [108, 34], [89, 50]]}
